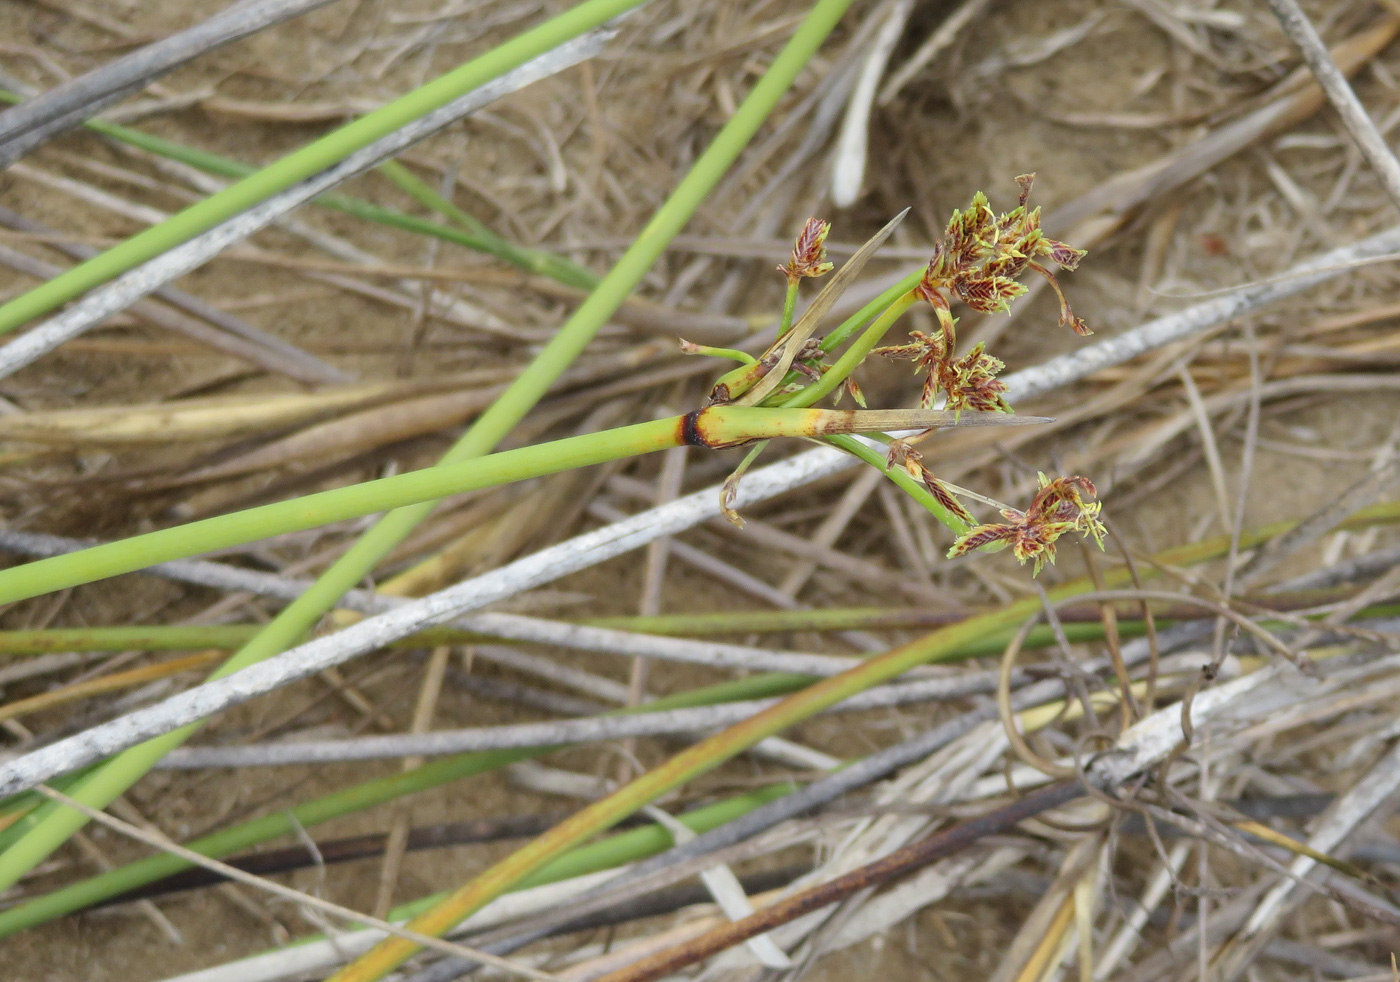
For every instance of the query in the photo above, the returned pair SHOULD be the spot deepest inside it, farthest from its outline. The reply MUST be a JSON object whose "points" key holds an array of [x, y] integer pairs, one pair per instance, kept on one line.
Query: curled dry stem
{"points": [[1017, 740]]}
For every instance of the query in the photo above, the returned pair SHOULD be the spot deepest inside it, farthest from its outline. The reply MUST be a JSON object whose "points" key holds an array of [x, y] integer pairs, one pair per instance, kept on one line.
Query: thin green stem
{"points": [[230, 636], [679, 770], [854, 354], [720, 426], [863, 316], [531, 260], [789, 307], [902, 479], [339, 504], [476, 237]]}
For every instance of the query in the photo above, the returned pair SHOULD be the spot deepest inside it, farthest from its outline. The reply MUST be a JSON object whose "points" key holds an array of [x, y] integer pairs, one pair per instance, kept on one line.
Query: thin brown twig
{"points": [[397, 842], [896, 864], [1108, 615]]}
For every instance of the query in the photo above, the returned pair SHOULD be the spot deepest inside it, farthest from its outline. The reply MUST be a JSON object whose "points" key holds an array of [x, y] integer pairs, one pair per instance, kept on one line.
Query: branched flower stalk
{"points": [[978, 256], [978, 261]]}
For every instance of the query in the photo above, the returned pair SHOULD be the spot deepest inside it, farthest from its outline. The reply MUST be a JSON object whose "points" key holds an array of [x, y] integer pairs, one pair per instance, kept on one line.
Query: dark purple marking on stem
{"points": [[690, 429]]}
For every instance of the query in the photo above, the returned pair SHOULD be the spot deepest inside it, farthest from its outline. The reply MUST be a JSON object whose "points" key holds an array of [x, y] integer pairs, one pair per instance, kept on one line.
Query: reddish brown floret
{"points": [[809, 252], [1057, 508], [971, 382]]}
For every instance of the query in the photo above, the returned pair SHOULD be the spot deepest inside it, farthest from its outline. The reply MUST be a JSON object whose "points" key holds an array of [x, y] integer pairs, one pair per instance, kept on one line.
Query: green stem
{"points": [[530, 260], [856, 353], [231, 636], [901, 477], [309, 160], [861, 317], [615, 850], [476, 237], [339, 504], [789, 308], [722, 426]]}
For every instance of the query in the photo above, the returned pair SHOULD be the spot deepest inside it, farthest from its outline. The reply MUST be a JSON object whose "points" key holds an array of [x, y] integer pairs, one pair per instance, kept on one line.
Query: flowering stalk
{"points": [[977, 261], [714, 427], [808, 261]]}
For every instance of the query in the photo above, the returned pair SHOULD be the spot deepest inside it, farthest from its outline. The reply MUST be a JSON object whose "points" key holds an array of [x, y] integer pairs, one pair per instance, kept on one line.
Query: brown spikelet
{"points": [[944, 496], [980, 537], [1057, 508], [809, 252]]}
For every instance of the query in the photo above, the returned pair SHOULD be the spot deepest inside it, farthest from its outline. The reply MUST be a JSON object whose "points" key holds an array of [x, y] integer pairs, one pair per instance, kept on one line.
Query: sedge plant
{"points": [[979, 260], [772, 403]]}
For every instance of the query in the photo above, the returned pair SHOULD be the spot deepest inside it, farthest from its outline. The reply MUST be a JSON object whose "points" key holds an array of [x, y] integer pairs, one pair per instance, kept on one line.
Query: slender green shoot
{"points": [[714, 427], [472, 235], [789, 308], [531, 260]]}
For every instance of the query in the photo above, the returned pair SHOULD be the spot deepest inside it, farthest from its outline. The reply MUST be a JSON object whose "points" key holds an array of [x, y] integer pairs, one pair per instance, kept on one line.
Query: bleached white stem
{"points": [[441, 742]]}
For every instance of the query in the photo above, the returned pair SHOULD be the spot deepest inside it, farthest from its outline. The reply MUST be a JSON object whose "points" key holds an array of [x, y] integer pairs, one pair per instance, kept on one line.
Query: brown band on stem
{"points": [[690, 429], [835, 421]]}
